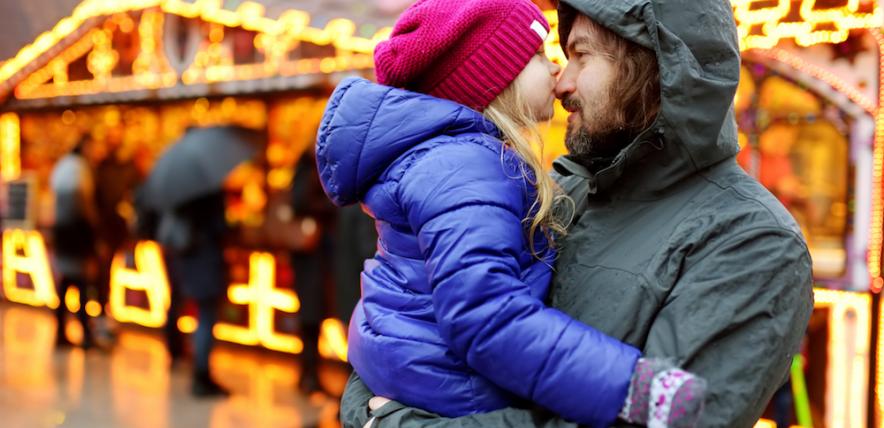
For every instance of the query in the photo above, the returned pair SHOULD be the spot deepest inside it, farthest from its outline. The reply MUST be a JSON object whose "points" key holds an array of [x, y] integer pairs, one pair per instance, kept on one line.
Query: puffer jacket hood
{"points": [[367, 126], [697, 50]]}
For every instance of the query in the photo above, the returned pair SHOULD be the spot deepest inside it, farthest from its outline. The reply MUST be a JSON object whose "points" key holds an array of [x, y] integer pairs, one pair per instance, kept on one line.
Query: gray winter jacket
{"points": [[675, 250]]}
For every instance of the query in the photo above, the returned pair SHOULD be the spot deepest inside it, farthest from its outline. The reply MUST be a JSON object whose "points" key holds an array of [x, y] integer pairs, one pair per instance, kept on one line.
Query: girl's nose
{"points": [[555, 69]]}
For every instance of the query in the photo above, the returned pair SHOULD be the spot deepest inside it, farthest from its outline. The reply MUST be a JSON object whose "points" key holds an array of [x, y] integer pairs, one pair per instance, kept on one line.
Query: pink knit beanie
{"points": [[467, 51]]}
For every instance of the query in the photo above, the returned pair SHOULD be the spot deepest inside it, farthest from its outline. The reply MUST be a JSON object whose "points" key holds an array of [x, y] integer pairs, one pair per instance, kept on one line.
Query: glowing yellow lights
{"points": [[93, 308], [333, 340], [72, 299], [104, 58], [847, 375], [10, 146], [277, 37], [854, 94], [553, 49], [765, 423], [187, 324], [263, 300], [151, 69], [140, 380], [817, 25], [259, 403], [25, 253], [876, 227], [149, 277]]}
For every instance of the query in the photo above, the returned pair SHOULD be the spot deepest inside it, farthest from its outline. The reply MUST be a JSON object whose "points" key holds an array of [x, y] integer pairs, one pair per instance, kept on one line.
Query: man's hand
{"points": [[374, 404]]}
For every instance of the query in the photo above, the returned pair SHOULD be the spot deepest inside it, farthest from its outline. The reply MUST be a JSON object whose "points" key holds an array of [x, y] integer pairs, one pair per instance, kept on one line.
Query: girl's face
{"points": [[537, 84]]}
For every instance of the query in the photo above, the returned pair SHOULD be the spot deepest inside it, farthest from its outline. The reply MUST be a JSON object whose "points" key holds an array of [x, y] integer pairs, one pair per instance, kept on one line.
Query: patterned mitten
{"points": [[663, 396]]}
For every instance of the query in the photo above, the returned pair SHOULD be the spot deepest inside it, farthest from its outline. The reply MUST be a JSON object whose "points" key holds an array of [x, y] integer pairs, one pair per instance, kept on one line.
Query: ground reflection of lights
{"points": [[133, 386], [26, 374], [140, 381]]}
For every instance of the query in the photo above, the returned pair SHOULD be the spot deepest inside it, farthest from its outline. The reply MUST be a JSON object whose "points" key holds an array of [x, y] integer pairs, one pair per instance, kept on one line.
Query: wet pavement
{"points": [[132, 384]]}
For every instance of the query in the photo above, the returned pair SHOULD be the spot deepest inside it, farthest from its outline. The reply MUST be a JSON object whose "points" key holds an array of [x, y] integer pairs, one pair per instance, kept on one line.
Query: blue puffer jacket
{"points": [[452, 318]]}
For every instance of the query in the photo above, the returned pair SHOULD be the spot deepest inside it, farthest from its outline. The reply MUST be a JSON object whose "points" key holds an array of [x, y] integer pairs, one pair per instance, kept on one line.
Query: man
{"points": [[673, 248]]}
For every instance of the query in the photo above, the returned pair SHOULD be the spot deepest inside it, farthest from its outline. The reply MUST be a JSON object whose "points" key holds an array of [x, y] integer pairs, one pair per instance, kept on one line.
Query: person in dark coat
{"points": [[115, 180], [73, 184], [193, 237], [312, 265], [356, 242], [146, 228], [673, 248]]}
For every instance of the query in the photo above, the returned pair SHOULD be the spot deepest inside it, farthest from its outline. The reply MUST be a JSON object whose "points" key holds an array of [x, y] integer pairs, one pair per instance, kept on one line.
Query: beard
{"points": [[598, 135]]}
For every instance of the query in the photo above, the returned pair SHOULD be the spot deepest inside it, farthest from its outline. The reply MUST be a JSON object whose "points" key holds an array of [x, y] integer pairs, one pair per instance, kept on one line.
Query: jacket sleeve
{"points": [[355, 413], [736, 317], [465, 202]]}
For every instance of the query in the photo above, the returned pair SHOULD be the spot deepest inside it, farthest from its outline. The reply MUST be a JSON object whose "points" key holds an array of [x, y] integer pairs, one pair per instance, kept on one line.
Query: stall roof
{"points": [[369, 20]]}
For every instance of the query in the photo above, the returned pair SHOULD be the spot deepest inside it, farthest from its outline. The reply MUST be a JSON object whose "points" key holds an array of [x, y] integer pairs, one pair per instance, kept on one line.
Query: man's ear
{"points": [[567, 15]]}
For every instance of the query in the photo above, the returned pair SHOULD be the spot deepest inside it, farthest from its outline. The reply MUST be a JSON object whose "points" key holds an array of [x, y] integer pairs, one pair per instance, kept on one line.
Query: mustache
{"points": [[572, 104]]}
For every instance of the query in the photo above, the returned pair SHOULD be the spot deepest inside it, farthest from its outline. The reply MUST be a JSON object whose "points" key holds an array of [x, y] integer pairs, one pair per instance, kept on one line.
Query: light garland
{"points": [[876, 238], [808, 31], [33, 262], [10, 147], [263, 299], [847, 375], [277, 37], [148, 276], [819, 73], [151, 71]]}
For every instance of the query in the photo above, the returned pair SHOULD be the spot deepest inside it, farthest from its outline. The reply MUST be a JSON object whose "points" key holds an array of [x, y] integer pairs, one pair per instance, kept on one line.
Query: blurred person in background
{"points": [[312, 263], [192, 237], [356, 242], [76, 218], [145, 228], [116, 177]]}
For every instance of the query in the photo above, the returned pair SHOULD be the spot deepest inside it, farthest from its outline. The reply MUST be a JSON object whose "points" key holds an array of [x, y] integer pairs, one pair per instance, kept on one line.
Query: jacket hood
{"points": [[697, 50], [367, 126]]}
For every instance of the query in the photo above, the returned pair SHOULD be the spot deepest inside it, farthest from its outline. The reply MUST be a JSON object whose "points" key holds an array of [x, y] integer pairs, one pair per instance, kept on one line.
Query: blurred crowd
{"points": [[103, 206]]}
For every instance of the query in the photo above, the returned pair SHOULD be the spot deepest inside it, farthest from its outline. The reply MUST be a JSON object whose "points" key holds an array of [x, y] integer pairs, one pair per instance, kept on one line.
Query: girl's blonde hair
{"points": [[513, 116]]}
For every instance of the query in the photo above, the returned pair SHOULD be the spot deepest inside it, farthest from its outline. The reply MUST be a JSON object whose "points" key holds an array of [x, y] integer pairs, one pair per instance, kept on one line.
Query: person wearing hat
{"points": [[442, 154]]}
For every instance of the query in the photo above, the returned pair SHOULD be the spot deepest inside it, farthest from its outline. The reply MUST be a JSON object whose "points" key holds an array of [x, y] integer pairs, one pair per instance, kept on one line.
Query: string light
{"points": [[823, 75], [151, 68], [10, 147], [817, 25], [148, 276], [263, 299], [876, 240], [333, 339], [876, 235], [278, 36], [24, 252], [847, 374]]}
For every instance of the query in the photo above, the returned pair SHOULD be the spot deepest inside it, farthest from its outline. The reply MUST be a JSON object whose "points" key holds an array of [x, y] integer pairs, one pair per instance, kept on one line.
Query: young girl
{"points": [[452, 318]]}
